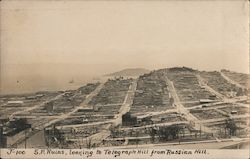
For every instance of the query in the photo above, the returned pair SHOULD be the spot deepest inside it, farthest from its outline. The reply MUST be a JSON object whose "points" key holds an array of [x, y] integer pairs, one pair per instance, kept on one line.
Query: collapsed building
{"points": [[13, 131]]}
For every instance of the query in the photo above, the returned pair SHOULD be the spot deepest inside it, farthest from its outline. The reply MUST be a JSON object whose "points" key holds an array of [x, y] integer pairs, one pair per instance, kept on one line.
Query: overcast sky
{"points": [[104, 36]]}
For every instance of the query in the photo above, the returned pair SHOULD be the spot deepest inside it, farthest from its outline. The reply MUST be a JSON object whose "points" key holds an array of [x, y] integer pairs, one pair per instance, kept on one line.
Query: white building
{"points": [[14, 103]]}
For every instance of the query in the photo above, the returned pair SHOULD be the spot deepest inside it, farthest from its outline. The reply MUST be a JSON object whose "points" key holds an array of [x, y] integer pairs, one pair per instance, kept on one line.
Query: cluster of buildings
{"points": [[188, 87], [217, 82], [112, 92], [151, 94], [153, 106]]}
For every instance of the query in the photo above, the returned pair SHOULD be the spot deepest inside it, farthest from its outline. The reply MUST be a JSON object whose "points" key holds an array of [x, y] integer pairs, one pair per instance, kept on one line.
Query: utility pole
{"points": [[200, 130], [179, 136], [49, 138], [184, 132], [25, 137]]}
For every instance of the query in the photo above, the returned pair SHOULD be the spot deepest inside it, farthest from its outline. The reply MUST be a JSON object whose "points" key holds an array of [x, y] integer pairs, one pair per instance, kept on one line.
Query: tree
{"points": [[59, 136], [137, 139], [163, 133], [169, 132], [174, 131], [171, 101], [152, 133], [231, 127], [55, 137], [112, 132], [89, 143]]}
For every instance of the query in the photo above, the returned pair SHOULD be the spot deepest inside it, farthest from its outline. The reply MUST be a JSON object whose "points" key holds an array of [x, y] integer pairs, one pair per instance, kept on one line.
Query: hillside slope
{"points": [[130, 72]]}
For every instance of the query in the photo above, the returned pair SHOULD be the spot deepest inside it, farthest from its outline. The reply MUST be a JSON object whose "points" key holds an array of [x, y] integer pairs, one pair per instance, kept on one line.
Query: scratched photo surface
{"points": [[124, 74]]}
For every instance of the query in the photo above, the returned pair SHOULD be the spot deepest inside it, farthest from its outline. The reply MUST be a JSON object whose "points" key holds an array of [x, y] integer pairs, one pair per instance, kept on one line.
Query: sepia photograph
{"points": [[124, 79]]}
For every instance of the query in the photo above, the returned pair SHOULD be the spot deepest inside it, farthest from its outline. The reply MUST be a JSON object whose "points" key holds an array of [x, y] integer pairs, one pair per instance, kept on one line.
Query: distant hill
{"points": [[130, 72], [181, 69]]}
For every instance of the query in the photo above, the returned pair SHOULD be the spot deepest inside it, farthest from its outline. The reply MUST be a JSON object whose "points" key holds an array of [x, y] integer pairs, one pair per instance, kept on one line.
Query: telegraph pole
{"points": [[200, 130], [25, 137]]}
